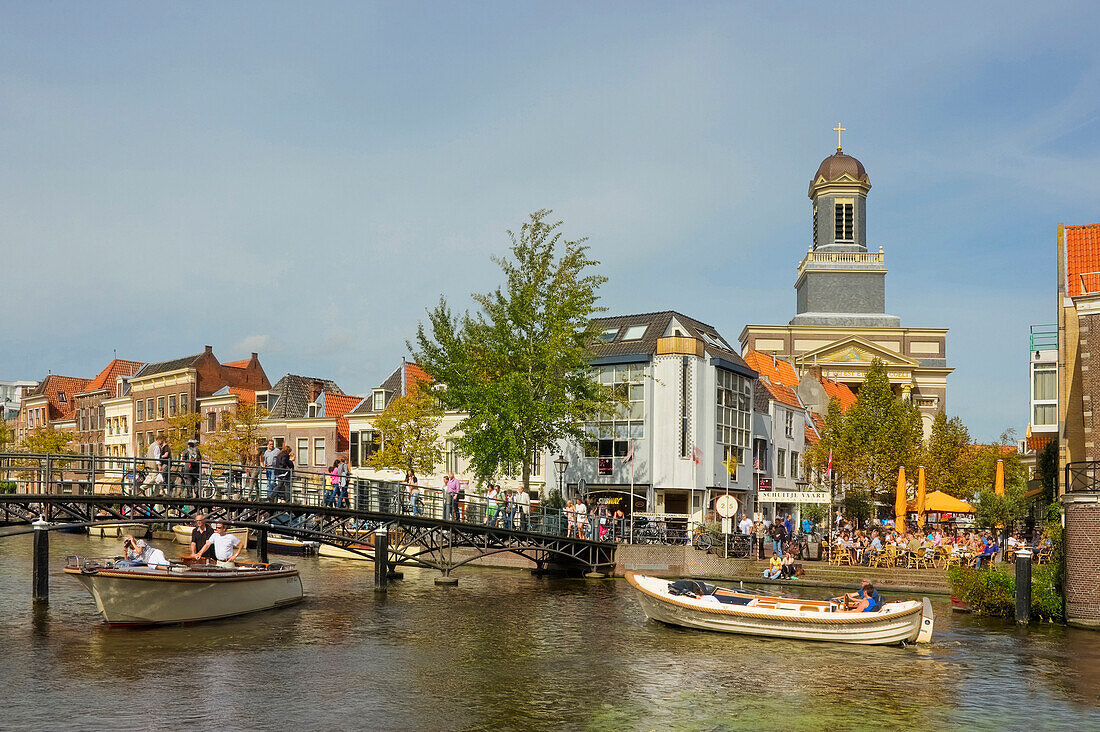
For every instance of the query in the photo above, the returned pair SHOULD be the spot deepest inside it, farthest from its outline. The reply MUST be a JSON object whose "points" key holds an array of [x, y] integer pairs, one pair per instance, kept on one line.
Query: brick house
{"points": [[309, 414], [90, 414], [50, 404], [169, 388]]}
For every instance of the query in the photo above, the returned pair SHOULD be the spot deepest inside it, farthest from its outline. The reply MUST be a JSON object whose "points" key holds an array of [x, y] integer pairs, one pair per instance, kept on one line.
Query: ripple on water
{"points": [[505, 649]]}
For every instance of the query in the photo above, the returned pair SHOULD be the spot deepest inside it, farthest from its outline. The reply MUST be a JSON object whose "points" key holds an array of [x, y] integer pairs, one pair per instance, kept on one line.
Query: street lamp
{"points": [[562, 464]]}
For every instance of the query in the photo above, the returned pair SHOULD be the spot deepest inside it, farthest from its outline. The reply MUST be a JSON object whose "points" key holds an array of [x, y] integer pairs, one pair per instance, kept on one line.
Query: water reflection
{"points": [[505, 649]]}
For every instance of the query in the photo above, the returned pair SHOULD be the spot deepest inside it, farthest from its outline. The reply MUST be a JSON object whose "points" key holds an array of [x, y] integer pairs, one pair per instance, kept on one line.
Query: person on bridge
{"points": [[284, 463], [451, 499], [199, 536], [226, 546], [192, 459], [327, 498], [342, 484], [270, 457], [523, 510]]}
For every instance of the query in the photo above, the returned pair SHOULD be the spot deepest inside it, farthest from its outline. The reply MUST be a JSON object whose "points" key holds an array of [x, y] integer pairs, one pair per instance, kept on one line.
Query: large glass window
{"points": [[780, 463], [140, 410], [733, 413], [302, 458], [1046, 382], [1045, 414], [319, 452], [611, 435]]}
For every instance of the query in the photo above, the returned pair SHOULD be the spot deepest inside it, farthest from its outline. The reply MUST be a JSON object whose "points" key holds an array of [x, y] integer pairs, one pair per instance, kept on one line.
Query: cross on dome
{"points": [[838, 129]]}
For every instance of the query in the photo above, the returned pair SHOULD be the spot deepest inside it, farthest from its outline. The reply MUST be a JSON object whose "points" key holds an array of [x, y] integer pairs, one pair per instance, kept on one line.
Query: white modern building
{"points": [[682, 437], [11, 396]]}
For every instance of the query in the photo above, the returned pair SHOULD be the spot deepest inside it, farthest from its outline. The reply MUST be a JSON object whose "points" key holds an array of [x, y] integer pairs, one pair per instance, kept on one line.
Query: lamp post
{"points": [[561, 464]]}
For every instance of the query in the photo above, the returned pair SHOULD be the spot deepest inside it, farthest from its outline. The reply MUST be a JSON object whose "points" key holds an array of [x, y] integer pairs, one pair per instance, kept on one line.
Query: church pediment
{"points": [[855, 351]]}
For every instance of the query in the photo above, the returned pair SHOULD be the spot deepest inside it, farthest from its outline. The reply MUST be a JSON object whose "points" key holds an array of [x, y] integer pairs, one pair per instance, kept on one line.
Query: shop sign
{"points": [[765, 484], [795, 497], [726, 506]]}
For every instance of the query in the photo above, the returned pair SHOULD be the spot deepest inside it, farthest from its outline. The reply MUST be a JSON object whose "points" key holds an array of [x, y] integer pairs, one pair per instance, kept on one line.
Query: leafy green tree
{"points": [[410, 434], [992, 510], [181, 428], [7, 436], [947, 455], [241, 431], [1046, 471], [519, 368], [48, 441]]}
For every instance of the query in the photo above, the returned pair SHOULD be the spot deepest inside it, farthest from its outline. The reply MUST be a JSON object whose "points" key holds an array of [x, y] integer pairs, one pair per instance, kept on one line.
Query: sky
{"points": [[306, 180]]}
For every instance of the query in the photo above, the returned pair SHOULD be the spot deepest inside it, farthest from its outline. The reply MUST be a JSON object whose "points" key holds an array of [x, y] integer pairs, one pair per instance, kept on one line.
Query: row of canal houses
{"points": [[701, 419]]}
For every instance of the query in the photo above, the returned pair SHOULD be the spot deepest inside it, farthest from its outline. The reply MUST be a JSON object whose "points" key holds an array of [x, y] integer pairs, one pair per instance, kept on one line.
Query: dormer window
{"points": [[845, 221], [61, 397], [635, 332], [379, 400], [312, 410]]}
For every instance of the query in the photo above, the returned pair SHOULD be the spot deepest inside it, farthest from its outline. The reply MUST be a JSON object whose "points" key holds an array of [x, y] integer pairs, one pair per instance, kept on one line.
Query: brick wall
{"points": [[1083, 557]]}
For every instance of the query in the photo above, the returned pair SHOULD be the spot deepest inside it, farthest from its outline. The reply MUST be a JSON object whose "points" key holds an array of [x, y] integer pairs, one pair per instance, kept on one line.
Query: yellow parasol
{"points": [[999, 485], [920, 498], [899, 502]]}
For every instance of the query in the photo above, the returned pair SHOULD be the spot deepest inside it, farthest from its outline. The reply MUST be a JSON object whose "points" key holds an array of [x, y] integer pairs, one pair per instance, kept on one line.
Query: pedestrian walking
{"points": [[270, 458]]}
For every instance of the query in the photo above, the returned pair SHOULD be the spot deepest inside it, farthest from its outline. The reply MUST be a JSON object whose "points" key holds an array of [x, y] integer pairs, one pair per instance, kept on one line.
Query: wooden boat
{"points": [[183, 533], [279, 544], [184, 594], [738, 611], [116, 531], [335, 552]]}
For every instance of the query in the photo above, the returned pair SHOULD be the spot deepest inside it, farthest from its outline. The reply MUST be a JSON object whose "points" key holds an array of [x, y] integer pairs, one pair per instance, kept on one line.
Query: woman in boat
{"points": [[868, 603], [138, 553]]}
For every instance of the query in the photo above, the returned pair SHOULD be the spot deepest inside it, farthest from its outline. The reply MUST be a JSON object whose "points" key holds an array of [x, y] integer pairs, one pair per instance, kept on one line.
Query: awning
{"points": [[940, 502]]}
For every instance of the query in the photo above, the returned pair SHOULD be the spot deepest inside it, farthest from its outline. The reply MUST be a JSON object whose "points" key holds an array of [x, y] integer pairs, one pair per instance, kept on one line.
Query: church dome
{"points": [[836, 165]]}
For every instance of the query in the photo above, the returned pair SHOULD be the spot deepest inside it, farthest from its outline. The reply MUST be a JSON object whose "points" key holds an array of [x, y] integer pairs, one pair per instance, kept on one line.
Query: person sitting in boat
{"points": [[226, 546], [138, 553], [851, 599], [868, 600], [775, 567]]}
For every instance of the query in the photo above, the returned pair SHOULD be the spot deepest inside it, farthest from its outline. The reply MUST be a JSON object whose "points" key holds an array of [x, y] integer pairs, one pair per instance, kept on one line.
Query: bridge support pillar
{"points": [[446, 579], [261, 545], [40, 567], [381, 559]]}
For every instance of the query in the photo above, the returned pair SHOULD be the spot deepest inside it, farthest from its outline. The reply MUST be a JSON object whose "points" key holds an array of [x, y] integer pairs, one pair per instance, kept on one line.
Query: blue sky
{"points": [[306, 179]]}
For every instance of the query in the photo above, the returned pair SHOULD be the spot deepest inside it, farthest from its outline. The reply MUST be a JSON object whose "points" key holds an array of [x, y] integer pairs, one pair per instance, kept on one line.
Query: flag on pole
{"points": [[830, 472], [731, 464], [696, 455], [629, 456]]}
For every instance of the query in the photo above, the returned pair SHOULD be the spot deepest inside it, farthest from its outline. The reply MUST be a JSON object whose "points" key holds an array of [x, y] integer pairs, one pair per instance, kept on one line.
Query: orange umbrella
{"points": [[999, 485], [920, 498], [899, 502]]}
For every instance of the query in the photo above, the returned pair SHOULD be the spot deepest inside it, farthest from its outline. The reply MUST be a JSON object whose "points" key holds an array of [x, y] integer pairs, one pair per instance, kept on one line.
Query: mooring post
{"points": [[1023, 586], [261, 545], [40, 568], [381, 559]]}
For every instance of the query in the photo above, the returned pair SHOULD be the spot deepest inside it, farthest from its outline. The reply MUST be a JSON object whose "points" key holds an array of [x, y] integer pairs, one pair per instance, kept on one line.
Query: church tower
{"points": [[840, 325], [839, 282]]}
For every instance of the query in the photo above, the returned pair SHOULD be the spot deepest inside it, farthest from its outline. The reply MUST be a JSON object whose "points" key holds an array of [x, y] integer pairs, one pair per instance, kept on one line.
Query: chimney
{"points": [[208, 349], [255, 357]]}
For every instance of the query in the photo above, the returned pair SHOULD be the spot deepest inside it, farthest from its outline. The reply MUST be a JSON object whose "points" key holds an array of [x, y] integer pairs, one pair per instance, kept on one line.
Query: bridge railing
{"points": [[64, 474]]}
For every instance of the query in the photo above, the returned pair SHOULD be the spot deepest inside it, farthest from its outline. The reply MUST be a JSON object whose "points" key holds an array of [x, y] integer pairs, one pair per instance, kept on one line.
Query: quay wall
{"points": [[1082, 539]]}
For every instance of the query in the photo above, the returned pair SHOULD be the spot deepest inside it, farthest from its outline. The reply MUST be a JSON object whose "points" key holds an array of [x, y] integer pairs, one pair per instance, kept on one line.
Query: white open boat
{"points": [[118, 530], [181, 593], [363, 551], [739, 611], [183, 533], [281, 544]]}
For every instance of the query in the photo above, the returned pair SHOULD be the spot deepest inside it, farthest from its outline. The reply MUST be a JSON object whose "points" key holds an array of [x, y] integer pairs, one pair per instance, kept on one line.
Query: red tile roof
{"points": [[52, 387], [1082, 259], [773, 369], [244, 396], [811, 436], [238, 364], [338, 405], [107, 377], [414, 376], [781, 394], [843, 394]]}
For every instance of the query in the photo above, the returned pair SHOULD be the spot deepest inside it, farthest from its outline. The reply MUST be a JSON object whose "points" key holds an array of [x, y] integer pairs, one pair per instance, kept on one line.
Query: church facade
{"points": [[841, 325]]}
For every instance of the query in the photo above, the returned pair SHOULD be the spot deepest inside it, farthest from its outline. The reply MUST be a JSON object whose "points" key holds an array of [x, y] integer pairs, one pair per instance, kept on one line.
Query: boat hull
{"points": [[335, 552], [116, 531], [165, 597], [286, 545], [897, 623]]}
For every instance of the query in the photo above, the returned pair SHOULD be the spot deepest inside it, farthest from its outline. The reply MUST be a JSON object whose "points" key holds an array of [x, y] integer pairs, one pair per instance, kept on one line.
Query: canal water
{"points": [[505, 650]]}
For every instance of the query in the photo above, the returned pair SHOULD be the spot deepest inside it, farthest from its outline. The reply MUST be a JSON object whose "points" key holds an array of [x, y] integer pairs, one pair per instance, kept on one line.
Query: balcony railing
{"points": [[1044, 338], [813, 258]]}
